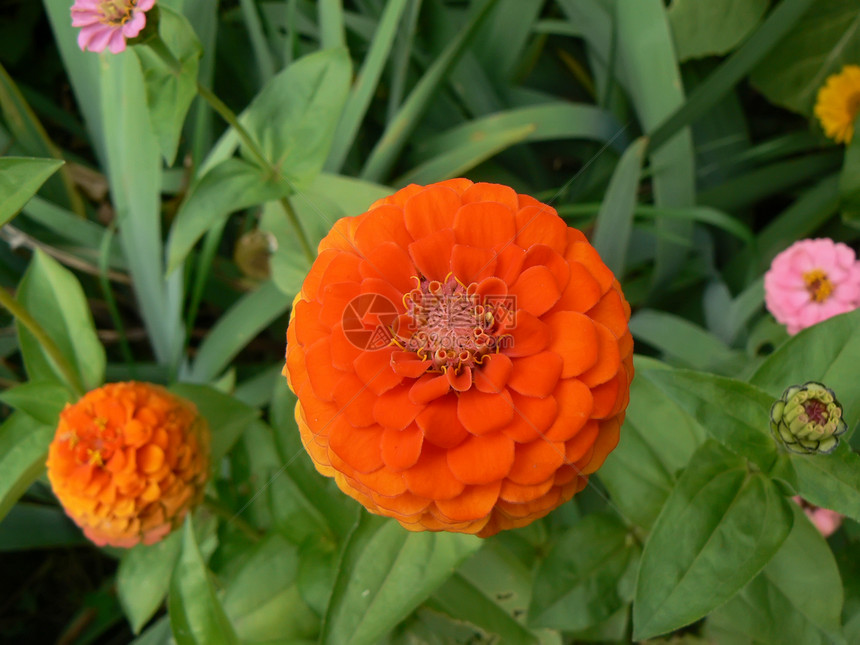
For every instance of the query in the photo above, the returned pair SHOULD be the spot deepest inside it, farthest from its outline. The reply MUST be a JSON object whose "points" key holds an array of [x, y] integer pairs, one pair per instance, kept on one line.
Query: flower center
{"points": [[452, 325], [818, 285], [816, 411], [116, 12]]}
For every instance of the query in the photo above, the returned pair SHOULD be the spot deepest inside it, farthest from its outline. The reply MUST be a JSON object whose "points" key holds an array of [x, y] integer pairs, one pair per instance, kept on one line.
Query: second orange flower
{"points": [[461, 358]]}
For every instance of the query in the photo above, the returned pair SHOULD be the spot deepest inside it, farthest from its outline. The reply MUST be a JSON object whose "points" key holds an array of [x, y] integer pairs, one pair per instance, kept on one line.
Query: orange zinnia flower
{"points": [[127, 462], [461, 358]]}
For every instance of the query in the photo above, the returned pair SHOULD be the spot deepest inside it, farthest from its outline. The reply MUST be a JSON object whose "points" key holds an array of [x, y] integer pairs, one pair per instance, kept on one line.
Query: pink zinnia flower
{"points": [[826, 521], [810, 281], [107, 23]]}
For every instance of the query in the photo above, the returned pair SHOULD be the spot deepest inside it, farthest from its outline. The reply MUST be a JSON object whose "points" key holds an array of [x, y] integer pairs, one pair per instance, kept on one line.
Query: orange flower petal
{"points": [[150, 458], [585, 254], [607, 395], [431, 478], [575, 403], [521, 493], [472, 263], [386, 225], [394, 409], [440, 424], [337, 298], [605, 443], [581, 293], [536, 375], [460, 381], [577, 446], [472, 504], [430, 210], [540, 224], [611, 313], [575, 339], [358, 447], [374, 370], [402, 448], [482, 459], [432, 254], [429, 387], [487, 192], [407, 364], [492, 376], [536, 462], [545, 256], [390, 263], [536, 290], [608, 358], [481, 413], [322, 373], [532, 417], [487, 224], [509, 262], [529, 335], [308, 327]]}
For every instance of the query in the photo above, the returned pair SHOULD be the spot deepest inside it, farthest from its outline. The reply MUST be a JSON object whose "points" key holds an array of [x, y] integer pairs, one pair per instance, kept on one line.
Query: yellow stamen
{"points": [[818, 285]]}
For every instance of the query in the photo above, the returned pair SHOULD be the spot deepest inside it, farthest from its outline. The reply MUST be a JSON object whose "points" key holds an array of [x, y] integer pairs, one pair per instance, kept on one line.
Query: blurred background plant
{"points": [[680, 138]]}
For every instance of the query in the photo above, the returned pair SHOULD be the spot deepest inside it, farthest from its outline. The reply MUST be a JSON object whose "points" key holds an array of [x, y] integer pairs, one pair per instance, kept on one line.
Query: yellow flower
{"points": [[838, 103]]}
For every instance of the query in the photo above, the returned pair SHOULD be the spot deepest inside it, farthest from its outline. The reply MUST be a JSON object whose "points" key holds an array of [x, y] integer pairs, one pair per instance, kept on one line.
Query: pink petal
{"points": [[117, 42], [132, 27], [145, 5]]}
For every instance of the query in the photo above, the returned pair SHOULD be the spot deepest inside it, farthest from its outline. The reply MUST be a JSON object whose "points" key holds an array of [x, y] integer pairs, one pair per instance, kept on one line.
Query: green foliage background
{"points": [[150, 241]]}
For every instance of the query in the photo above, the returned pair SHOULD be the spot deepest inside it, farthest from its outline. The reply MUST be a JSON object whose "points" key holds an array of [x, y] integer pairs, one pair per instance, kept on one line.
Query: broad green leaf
{"points": [[318, 561], [23, 450], [828, 353], [831, 481], [719, 527], [250, 315], [294, 117], [143, 578], [170, 87], [157, 634], [797, 598], [657, 441], [38, 526], [230, 186], [577, 585], [463, 601], [733, 412], [227, 416], [615, 219], [262, 600], [42, 400], [819, 45], [385, 573], [53, 296], [712, 27], [20, 178], [196, 615], [648, 59], [293, 514]]}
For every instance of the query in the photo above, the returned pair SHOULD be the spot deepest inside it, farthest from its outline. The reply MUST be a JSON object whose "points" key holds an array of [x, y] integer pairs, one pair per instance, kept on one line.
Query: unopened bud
{"points": [[808, 419]]}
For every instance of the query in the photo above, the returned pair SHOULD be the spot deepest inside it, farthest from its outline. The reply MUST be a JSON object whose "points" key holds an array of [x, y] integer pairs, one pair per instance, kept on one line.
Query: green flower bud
{"points": [[807, 419]]}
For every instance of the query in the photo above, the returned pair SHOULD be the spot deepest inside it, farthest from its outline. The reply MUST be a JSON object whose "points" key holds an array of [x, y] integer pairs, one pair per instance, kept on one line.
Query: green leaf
{"points": [[719, 527], [797, 598], [577, 585], [819, 45], [827, 352], [849, 184], [262, 600], [385, 573], [143, 578], [294, 117], [615, 219], [20, 179], [170, 89], [196, 615], [52, 295], [713, 27], [250, 315], [734, 412], [230, 186], [465, 602], [227, 416], [830, 481], [23, 450], [42, 400], [651, 69]]}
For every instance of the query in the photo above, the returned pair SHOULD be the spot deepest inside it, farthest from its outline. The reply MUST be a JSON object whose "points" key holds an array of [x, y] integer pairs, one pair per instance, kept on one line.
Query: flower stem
{"points": [[160, 49], [47, 343]]}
